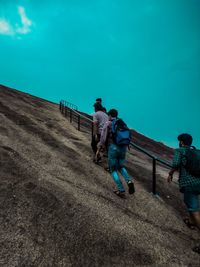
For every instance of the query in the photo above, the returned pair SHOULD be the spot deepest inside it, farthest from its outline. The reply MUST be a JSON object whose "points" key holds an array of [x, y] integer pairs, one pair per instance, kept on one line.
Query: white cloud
{"points": [[26, 22], [6, 28]]}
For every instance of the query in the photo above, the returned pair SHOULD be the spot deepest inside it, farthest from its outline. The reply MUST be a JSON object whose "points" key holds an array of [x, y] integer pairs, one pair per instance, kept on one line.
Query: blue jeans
{"points": [[116, 159], [191, 200]]}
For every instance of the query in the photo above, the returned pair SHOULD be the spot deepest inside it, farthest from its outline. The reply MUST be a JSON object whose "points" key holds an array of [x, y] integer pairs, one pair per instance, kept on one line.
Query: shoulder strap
{"points": [[114, 124]]}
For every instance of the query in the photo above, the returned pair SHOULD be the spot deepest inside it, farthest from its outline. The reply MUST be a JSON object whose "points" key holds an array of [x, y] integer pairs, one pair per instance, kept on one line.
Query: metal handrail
{"points": [[82, 116], [154, 158], [144, 151], [69, 105]]}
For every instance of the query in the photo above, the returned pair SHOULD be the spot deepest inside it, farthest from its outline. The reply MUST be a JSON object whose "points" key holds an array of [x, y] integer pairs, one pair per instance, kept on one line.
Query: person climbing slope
{"points": [[187, 161], [99, 120], [118, 135]]}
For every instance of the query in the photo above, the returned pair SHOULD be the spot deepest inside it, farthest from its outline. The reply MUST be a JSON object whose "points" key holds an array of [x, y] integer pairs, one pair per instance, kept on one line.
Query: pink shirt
{"points": [[100, 118]]}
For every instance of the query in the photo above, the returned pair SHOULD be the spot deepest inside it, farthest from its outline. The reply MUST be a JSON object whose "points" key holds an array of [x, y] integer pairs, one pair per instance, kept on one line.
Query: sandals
{"points": [[189, 224], [119, 193], [107, 169], [97, 160], [196, 249]]}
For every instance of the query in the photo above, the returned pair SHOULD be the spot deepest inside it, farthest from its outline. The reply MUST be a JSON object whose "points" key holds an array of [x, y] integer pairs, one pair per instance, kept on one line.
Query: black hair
{"points": [[98, 107], [99, 100], [185, 138], [113, 113]]}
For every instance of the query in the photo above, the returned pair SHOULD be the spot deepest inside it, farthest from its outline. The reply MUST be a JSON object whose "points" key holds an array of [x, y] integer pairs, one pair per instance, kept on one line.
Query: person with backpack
{"points": [[187, 161], [99, 119], [119, 137]]}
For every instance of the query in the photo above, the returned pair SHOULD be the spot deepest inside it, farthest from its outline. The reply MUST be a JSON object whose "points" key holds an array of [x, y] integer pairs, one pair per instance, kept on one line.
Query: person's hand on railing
{"points": [[170, 176]]}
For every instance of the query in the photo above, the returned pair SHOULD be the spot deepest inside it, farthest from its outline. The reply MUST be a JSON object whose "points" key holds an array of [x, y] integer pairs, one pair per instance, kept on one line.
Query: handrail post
{"points": [[154, 177], [70, 115], [79, 118], [65, 111], [63, 106]]}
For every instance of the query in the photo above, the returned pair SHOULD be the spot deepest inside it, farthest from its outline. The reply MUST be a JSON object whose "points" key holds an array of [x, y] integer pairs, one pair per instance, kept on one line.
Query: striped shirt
{"points": [[100, 118]]}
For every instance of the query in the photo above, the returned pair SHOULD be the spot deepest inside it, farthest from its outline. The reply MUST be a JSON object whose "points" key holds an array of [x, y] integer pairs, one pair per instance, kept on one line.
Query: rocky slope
{"points": [[58, 209]]}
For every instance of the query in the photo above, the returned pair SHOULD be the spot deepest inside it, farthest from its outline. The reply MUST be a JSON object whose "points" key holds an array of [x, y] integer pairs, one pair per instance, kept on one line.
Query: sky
{"points": [[141, 57]]}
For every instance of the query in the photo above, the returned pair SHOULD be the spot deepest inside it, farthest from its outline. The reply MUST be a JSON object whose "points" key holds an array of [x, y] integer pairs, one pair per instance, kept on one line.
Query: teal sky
{"points": [[141, 56]]}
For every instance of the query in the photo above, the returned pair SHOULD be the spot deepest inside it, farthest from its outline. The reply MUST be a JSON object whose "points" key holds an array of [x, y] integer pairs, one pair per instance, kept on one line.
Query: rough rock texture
{"points": [[57, 207]]}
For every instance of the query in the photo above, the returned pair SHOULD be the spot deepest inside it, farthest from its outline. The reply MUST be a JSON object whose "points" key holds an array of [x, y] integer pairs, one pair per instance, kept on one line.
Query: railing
{"points": [[154, 160], [66, 110], [64, 103]]}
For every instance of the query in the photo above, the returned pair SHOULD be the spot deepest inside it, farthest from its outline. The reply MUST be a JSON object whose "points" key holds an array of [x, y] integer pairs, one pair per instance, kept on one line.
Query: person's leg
{"points": [[123, 171], [112, 161], [125, 174], [121, 159], [94, 145], [195, 216], [117, 180], [191, 200]]}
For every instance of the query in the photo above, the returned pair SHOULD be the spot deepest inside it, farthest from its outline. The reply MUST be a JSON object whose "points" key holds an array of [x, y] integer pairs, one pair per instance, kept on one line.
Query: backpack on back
{"points": [[121, 134], [192, 164]]}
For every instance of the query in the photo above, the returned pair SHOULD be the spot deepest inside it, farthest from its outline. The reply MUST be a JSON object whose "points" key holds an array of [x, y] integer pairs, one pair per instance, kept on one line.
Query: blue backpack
{"points": [[121, 134]]}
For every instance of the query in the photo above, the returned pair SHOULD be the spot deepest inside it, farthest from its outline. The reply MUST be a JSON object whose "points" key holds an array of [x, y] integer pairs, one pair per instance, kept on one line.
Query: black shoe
{"points": [[98, 160], [189, 224], [131, 188]]}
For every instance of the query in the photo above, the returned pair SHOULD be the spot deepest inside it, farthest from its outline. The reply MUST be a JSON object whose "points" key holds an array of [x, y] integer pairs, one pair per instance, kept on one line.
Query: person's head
{"points": [[99, 100], [112, 113], [185, 139], [98, 107]]}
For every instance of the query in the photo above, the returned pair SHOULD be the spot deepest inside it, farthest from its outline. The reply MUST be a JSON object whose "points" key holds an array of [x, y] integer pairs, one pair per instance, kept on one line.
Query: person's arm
{"points": [[95, 125], [175, 165], [104, 134], [170, 175]]}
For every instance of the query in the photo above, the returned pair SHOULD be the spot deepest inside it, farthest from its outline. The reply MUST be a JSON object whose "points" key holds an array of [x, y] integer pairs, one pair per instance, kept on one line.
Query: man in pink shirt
{"points": [[99, 120]]}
